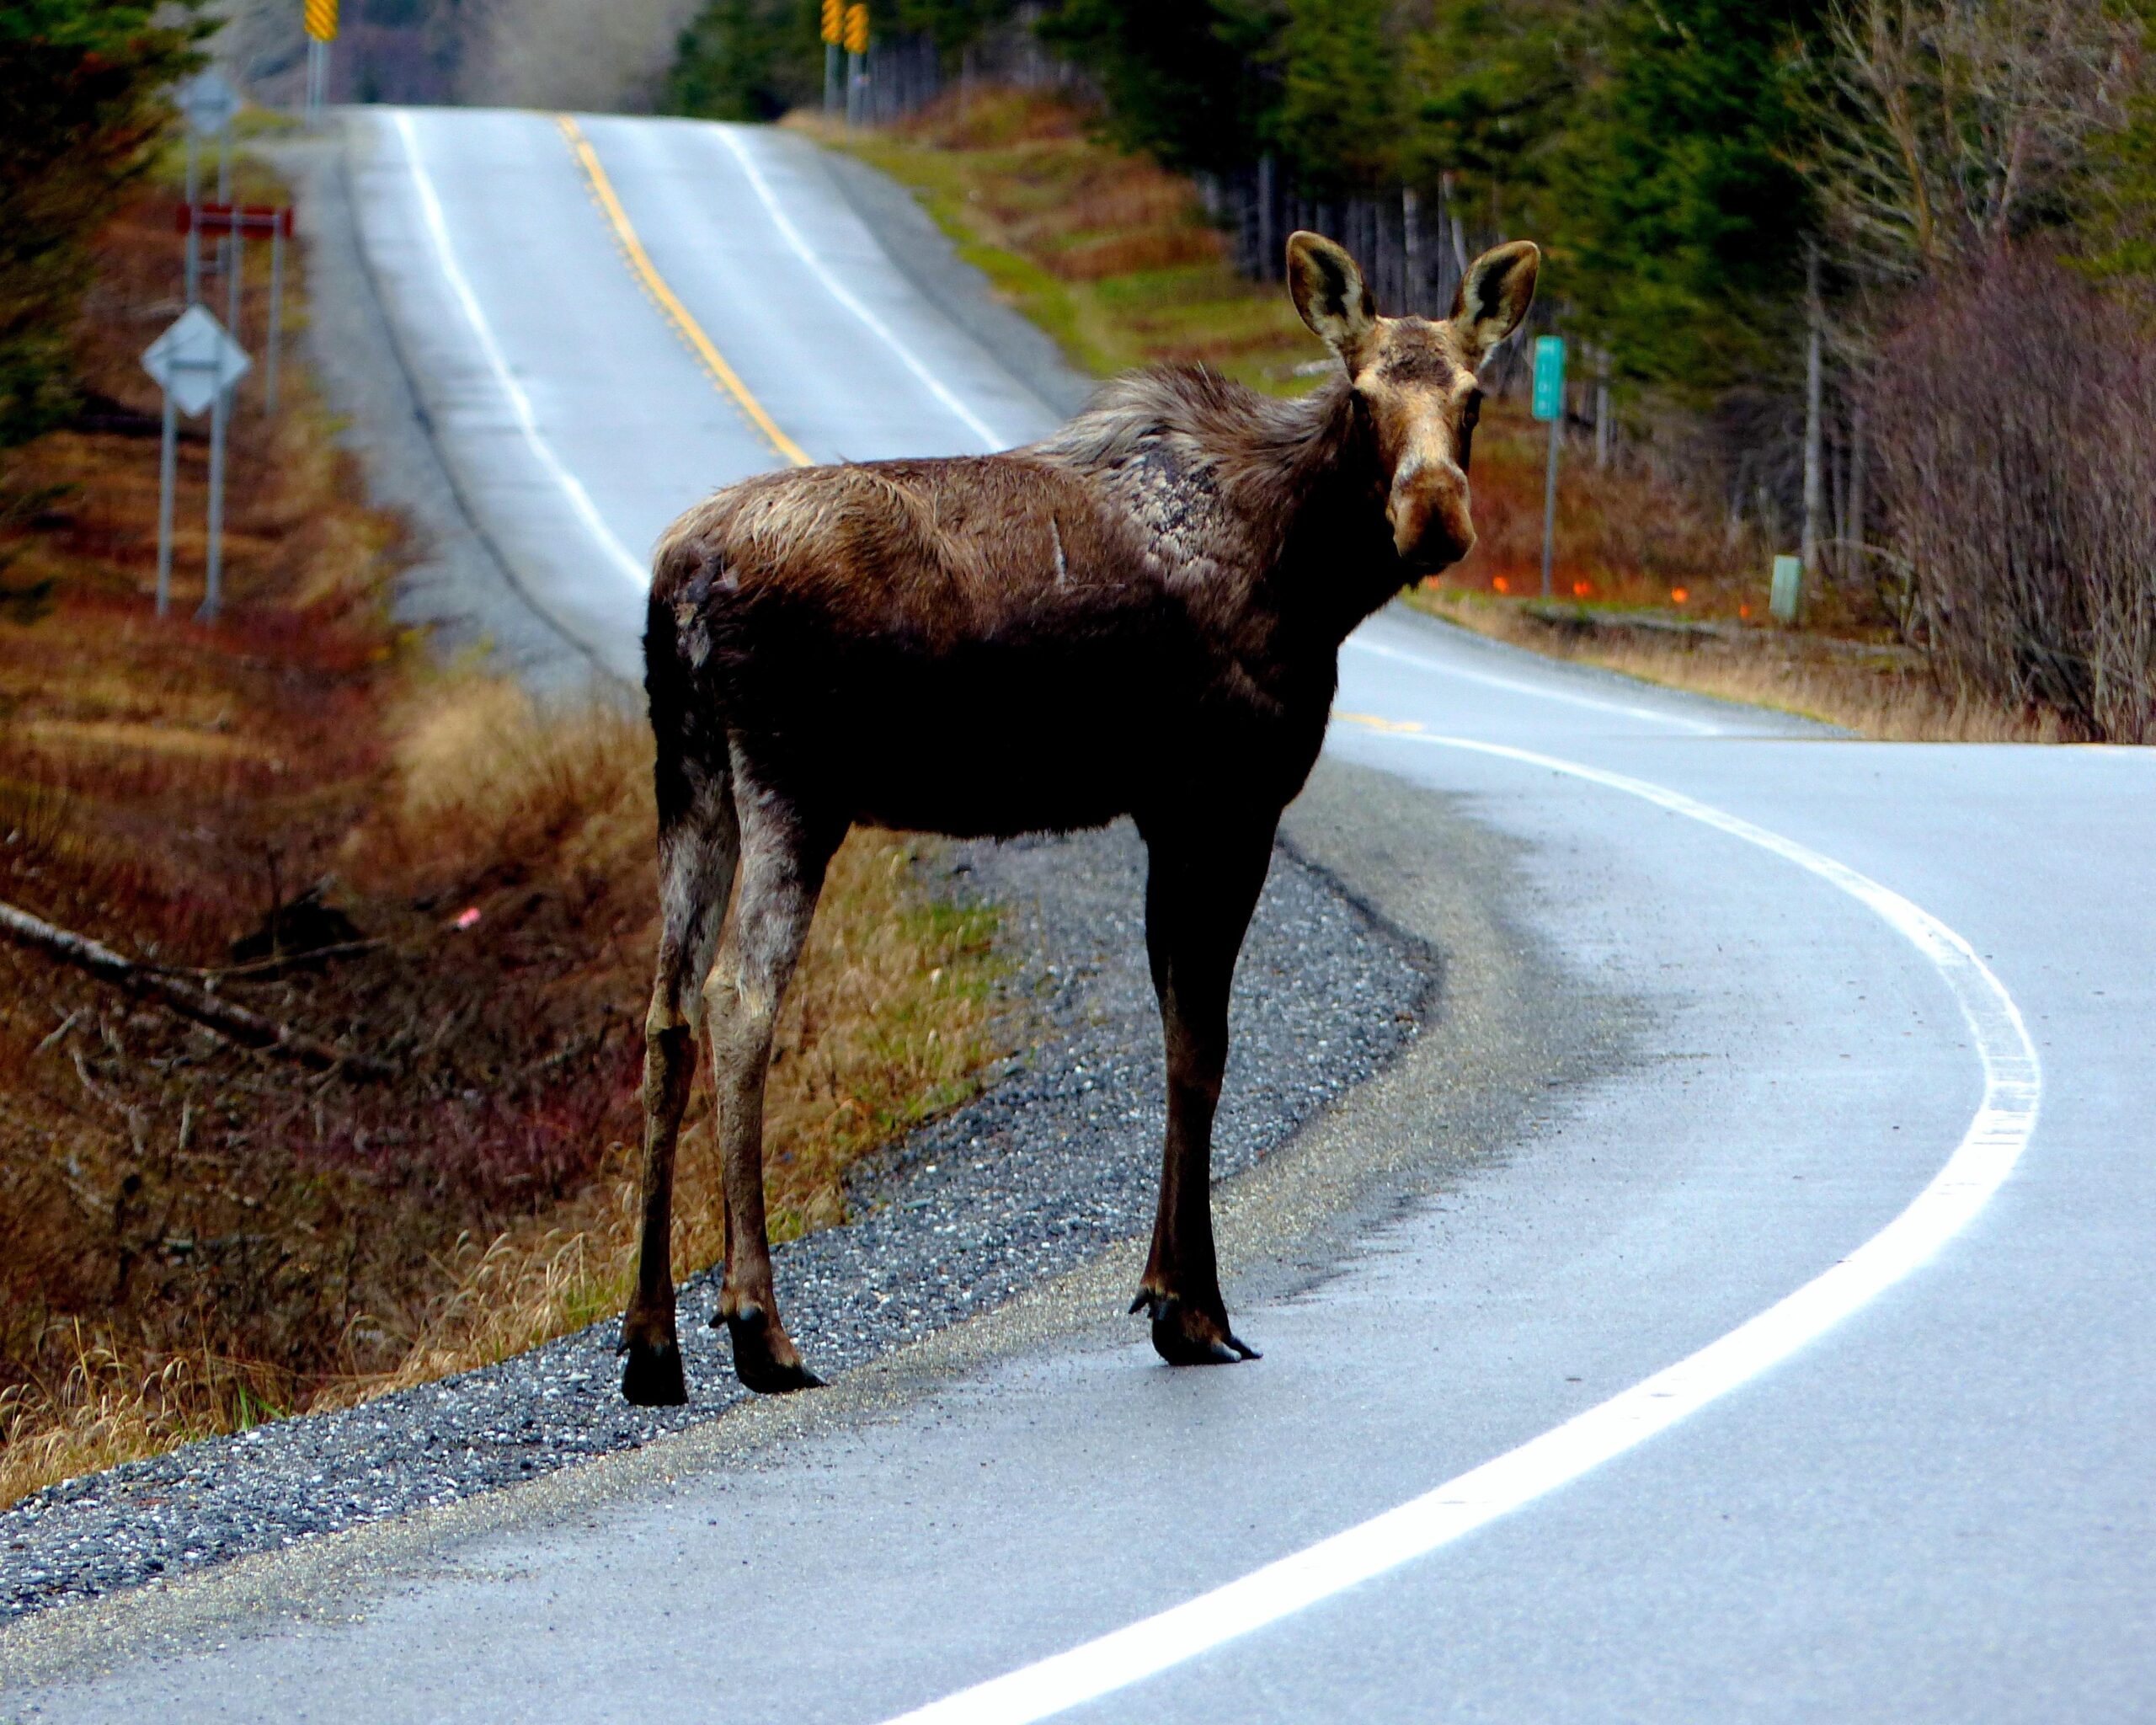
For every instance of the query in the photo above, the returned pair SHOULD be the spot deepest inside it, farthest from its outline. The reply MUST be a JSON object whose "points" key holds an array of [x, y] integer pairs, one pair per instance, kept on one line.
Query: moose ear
{"points": [[1494, 295], [1332, 297]]}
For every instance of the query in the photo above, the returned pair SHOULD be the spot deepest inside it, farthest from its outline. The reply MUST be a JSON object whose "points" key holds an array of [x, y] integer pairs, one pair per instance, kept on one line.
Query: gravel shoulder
{"points": [[1055, 1162]]}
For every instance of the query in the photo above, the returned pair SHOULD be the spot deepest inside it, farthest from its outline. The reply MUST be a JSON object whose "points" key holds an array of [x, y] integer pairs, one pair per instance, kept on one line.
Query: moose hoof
{"points": [[651, 1376], [765, 1359], [1185, 1337]]}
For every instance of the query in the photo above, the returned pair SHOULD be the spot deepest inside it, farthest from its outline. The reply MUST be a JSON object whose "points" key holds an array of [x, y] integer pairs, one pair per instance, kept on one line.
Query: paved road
{"points": [[1706, 1398]]}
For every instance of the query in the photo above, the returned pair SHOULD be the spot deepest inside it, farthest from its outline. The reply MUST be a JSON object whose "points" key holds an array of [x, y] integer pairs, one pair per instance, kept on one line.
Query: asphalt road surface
{"points": [[1798, 1367]]}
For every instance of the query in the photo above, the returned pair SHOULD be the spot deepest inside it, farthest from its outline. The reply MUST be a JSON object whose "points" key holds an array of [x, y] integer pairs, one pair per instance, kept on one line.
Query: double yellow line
{"points": [[668, 302]]}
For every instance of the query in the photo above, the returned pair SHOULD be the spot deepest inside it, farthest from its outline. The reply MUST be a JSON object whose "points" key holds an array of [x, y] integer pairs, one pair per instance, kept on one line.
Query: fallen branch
{"points": [[235, 1023]]}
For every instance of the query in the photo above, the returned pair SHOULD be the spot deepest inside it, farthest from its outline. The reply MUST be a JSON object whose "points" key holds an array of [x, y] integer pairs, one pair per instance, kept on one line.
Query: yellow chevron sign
{"points": [[857, 29], [835, 21], [321, 19]]}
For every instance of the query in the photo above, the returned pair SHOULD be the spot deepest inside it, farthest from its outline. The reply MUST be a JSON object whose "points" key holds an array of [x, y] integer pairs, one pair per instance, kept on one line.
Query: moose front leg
{"points": [[783, 863], [1200, 889]]}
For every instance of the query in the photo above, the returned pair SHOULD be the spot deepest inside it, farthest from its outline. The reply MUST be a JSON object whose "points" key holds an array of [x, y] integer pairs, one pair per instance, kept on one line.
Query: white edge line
{"points": [[1992, 1142], [520, 404], [839, 291], [1699, 726]]}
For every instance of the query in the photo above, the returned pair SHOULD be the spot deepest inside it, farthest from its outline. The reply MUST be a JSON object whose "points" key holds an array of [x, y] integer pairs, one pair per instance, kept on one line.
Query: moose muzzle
{"points": [[1431, 526]]}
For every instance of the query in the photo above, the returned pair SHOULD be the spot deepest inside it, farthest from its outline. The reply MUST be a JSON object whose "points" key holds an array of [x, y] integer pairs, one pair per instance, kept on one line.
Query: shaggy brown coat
{"points": [[1140, 614]]}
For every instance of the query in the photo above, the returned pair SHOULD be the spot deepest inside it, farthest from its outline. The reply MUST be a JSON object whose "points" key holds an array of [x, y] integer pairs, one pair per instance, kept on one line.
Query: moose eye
{"points": [[1469, 414]]}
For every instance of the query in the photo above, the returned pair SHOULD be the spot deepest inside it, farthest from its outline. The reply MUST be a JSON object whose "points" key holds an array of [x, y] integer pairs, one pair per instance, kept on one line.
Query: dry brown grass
{"points": [[541, 822], [1881, 693], [197, 1239]]}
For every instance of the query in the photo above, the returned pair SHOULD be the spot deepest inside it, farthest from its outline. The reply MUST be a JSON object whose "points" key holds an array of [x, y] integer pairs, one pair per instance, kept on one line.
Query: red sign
{"points": [[238, 218]]}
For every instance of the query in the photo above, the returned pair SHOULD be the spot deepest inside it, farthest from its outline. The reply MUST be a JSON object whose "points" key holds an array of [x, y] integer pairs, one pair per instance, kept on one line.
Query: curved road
{"points": [[1798, 1368]]}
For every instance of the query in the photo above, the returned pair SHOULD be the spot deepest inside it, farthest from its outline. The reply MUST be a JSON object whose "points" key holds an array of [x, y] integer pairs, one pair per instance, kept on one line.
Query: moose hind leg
{"points": [[1199, 894], [697, 852], [783, 857]]}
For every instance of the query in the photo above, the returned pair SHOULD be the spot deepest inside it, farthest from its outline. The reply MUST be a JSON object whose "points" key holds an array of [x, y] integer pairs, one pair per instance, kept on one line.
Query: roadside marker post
{"points": [[834, 23], [198, 365], [208, 103], [1548, 404], [1786, 588], [321, 19]]}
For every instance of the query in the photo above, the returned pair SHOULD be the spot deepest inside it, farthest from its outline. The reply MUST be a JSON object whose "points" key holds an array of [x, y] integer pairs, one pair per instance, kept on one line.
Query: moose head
{"points": [[1415, 383]]}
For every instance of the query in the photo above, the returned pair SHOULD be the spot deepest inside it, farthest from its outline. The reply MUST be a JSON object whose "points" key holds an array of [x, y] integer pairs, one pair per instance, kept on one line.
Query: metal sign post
{"points": [[267, 221], [1549, 404], [198, 365], [321, 17], [856, 59], [833, 54], [209, 102]]}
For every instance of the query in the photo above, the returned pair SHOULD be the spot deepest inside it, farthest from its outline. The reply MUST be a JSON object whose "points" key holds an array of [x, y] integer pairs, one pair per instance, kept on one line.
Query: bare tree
{"points": [[2016, 412], [1946, 127]]}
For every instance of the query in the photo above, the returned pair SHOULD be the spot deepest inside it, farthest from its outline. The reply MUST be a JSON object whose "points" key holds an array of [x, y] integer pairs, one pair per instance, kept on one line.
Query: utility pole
{"points": [[1815, 365], [833, 53]]}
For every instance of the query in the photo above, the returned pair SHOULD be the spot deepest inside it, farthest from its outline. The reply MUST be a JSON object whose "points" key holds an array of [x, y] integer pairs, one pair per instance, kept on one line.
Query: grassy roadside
{"points": [[1111, 257], [1108, 253], [295, 806], [1872, 688]]}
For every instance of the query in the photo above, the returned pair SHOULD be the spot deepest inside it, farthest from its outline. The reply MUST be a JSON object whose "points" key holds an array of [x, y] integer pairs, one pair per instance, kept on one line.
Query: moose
{"points": [[1140, 614]]}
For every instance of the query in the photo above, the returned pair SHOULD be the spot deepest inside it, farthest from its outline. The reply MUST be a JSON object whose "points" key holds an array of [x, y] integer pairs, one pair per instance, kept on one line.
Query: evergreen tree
{"points": [[1191, 82], [1494, 84], [1336, 125], [747, 60], [1679, 217], [81, 110]]}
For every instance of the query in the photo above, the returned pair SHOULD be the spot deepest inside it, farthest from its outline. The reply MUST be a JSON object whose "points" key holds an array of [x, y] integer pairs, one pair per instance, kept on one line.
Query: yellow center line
{"points": [[669, 303], [1373, 722]]}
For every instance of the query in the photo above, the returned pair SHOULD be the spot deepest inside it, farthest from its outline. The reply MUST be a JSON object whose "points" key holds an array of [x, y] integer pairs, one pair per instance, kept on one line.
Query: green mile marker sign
{"points": [[1549, 376]]}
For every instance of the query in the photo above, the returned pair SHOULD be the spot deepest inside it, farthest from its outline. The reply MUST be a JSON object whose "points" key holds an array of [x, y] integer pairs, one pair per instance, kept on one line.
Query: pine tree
{"points": [[81, 109], [1680, 218], [1336, 125]]}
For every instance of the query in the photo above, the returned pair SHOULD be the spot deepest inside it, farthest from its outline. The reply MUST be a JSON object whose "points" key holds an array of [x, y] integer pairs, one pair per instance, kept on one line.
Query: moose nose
{"points": [[1429, 514]]}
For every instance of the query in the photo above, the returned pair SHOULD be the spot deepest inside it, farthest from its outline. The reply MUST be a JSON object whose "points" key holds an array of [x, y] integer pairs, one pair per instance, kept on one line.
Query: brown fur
{"points": [[1139, 615]]}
